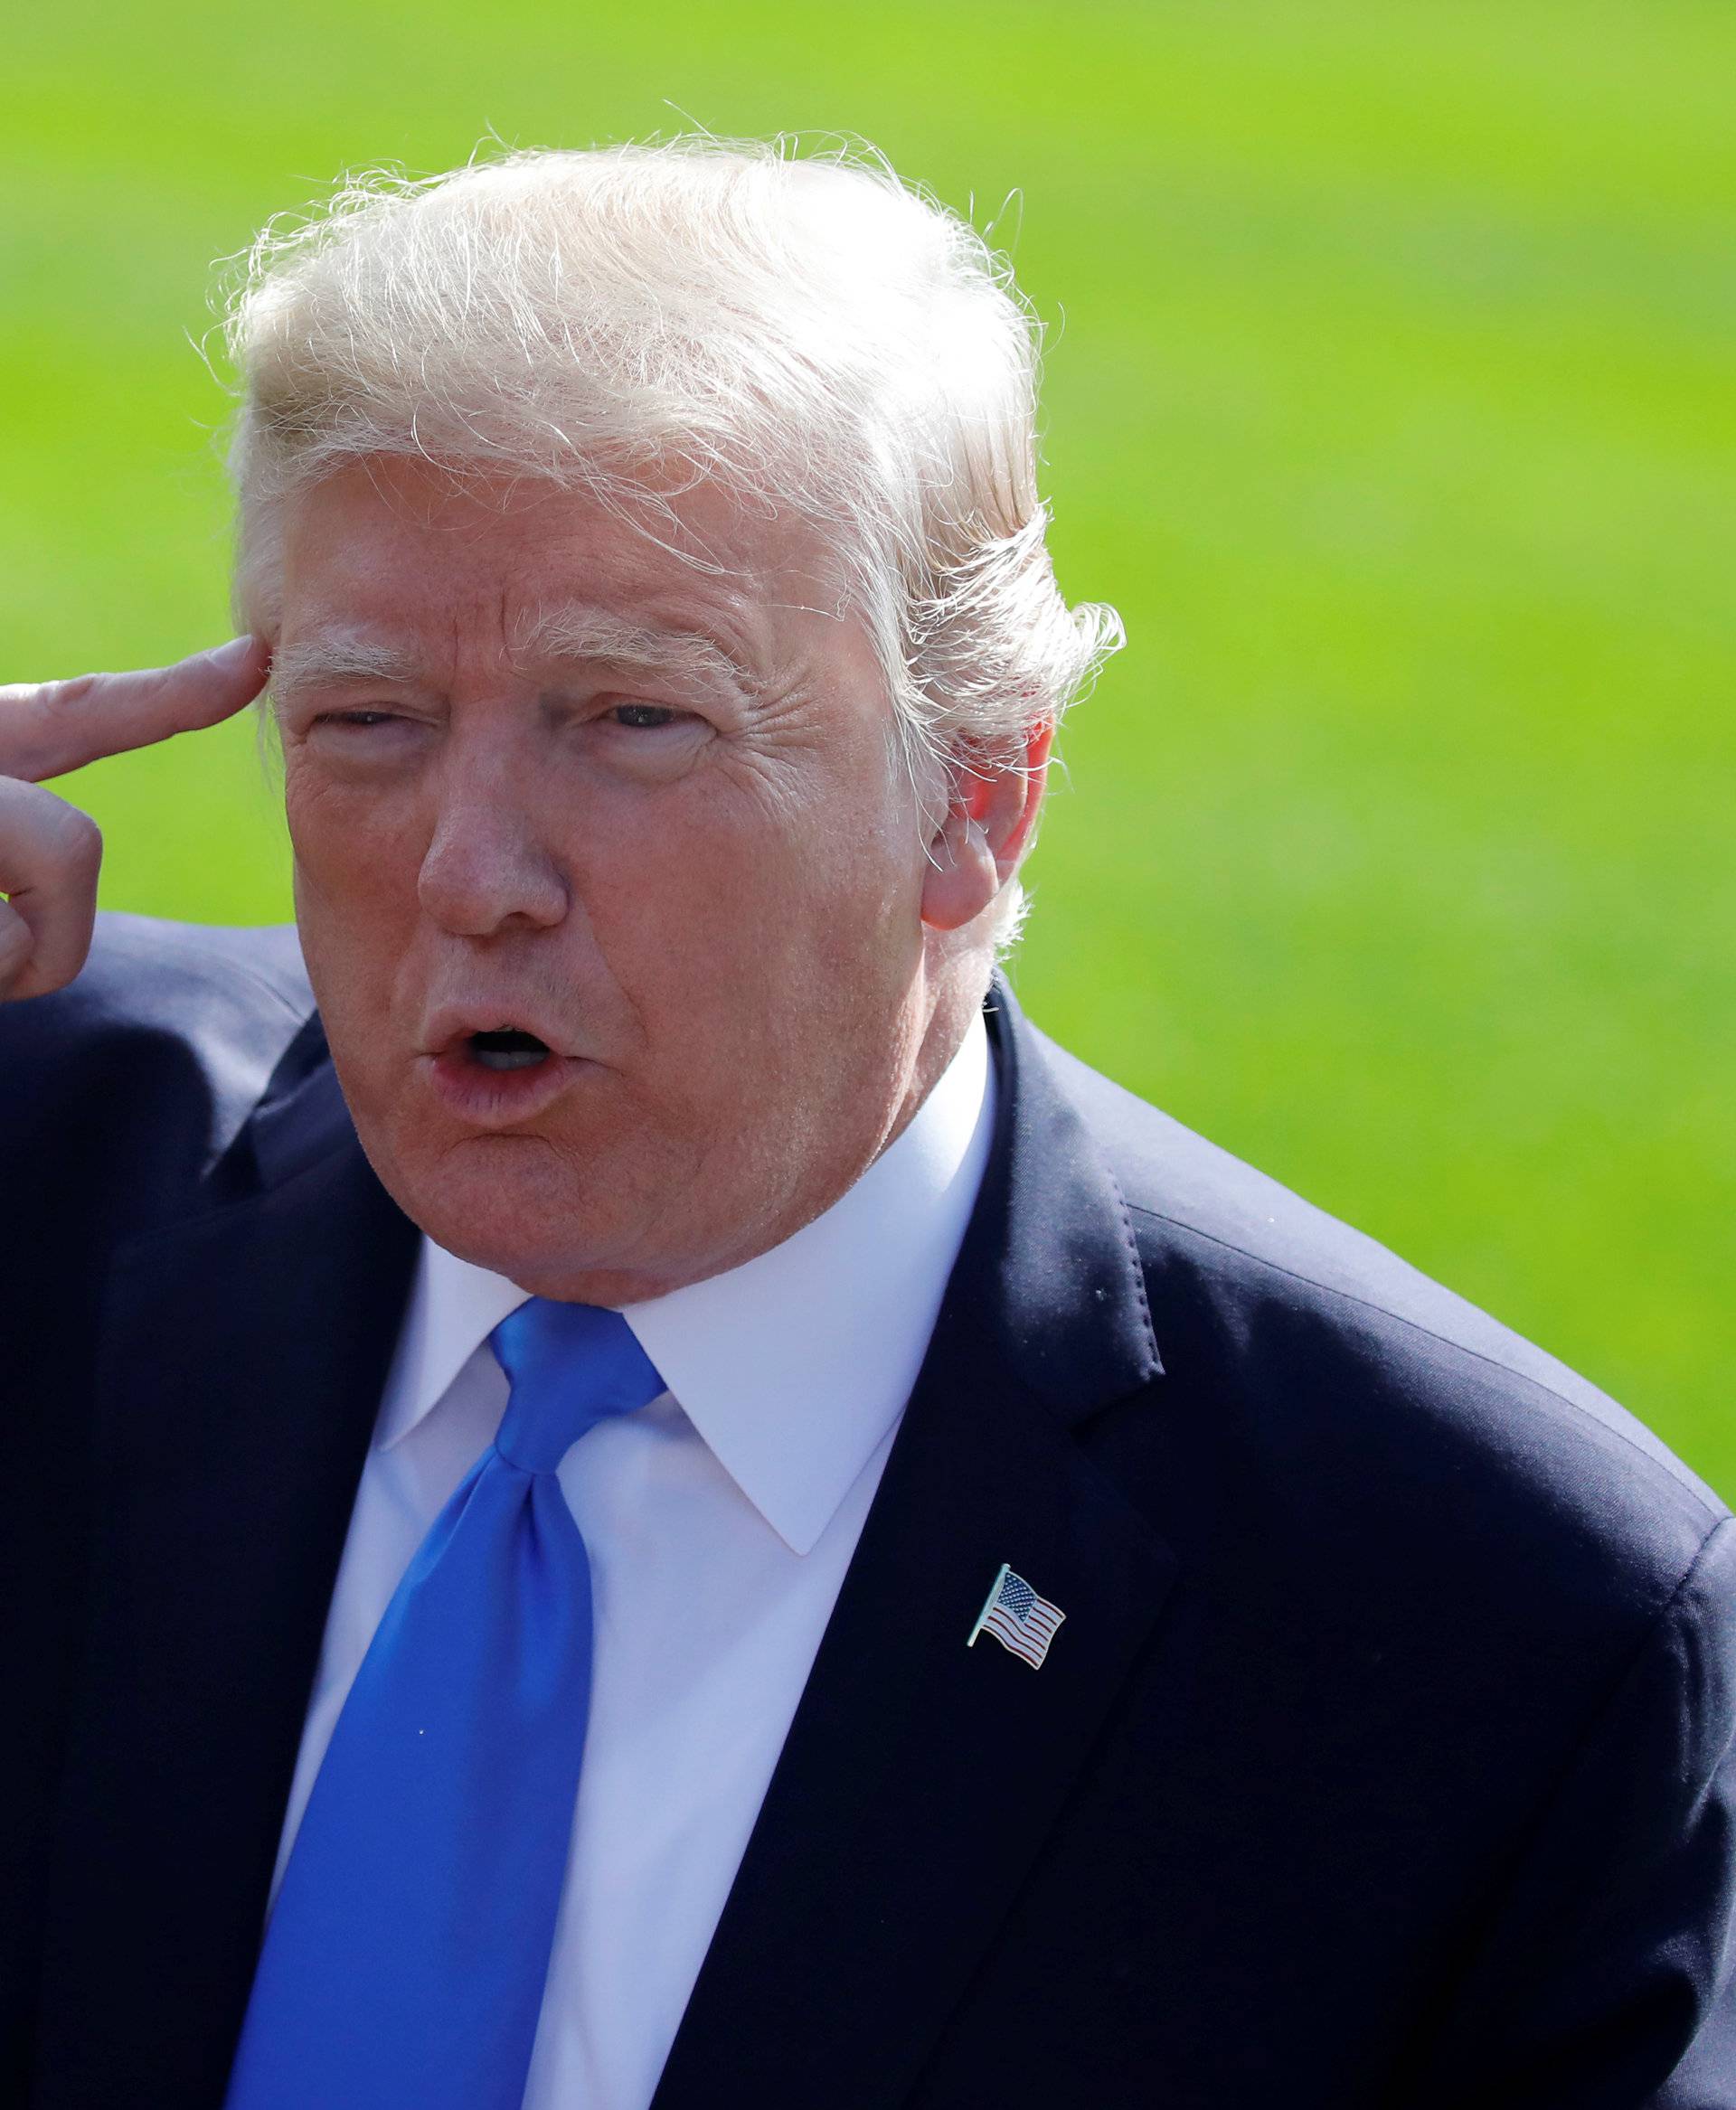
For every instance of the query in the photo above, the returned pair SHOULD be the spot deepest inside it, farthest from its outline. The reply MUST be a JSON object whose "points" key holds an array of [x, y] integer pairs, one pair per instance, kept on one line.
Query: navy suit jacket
{"points": [[1382, 1759]]}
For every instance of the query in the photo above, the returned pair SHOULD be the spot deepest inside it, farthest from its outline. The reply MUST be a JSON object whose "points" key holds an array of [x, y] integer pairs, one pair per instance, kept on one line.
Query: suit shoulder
{"points": [[161, 1045], [147, 972], [1364, 1382]]}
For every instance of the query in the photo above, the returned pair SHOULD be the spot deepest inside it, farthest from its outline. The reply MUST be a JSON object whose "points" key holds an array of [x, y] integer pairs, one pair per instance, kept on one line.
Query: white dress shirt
{"points": [[718, 1519]]}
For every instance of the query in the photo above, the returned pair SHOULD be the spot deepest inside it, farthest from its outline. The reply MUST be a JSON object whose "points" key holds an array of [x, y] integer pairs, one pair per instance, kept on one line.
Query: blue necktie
{"points": [[404, 1961]]}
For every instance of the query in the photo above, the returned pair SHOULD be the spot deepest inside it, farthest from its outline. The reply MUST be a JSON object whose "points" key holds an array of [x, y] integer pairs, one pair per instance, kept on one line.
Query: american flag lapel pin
{"points": [[1018, 1618]]}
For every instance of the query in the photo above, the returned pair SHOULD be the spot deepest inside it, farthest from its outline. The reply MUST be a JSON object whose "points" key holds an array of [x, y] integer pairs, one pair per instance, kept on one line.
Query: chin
{"points": [[519, 1206]]}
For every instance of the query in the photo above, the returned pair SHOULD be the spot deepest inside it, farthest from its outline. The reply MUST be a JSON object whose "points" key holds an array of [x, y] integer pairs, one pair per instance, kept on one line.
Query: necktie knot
{"points": [[569, 1366]]}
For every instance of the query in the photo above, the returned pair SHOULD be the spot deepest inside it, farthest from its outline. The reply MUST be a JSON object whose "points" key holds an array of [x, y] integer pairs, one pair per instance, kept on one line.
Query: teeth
{"points": [[506, 1048]]}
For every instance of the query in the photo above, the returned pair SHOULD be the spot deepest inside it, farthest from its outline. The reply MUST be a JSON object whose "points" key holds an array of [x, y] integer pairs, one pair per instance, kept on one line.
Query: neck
{"points": [[959, 992]]}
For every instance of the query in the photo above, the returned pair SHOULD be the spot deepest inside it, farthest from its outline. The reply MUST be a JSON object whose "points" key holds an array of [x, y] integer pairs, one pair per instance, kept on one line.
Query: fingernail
{"points": [[225, 658]]}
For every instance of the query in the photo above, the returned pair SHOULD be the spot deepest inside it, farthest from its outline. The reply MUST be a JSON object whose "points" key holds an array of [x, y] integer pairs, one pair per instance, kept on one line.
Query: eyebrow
{"points": [[333, 659], [579, 633]]}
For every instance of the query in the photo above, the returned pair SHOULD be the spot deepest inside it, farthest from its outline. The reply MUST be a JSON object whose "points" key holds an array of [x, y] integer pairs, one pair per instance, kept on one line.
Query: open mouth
{"points": [[506, 1048]]}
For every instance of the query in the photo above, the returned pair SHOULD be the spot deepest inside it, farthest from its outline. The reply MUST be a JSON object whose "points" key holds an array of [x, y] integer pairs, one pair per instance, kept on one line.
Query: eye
{"points": [[644, 717], [364, 736]]}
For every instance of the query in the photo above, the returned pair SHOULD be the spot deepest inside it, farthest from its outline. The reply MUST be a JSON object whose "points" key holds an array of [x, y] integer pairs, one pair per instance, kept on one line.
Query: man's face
{"points": [[544, 776]]}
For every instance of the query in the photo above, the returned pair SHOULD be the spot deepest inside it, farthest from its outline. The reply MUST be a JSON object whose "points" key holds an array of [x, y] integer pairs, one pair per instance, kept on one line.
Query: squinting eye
{"points": [[364, 719], [643, 717]]}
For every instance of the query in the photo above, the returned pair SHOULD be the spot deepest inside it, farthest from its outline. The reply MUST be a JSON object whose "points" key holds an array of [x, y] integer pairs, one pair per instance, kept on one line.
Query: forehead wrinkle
{"points": [[580, 633]]}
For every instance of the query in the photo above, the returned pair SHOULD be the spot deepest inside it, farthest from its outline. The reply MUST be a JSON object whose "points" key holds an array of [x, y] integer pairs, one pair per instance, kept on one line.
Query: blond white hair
{"points": [[806, 330]]}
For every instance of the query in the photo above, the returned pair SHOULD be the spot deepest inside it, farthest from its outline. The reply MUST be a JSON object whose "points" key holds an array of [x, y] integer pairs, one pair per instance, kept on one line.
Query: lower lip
{"points": [[500, 1099]]}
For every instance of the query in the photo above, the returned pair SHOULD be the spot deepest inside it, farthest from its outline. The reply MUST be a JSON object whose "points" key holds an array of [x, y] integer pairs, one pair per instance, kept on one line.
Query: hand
{"points": [[50, 851]]}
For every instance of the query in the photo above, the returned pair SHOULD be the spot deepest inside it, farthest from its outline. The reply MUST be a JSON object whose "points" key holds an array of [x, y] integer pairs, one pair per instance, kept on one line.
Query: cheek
{"points": [[347, 842], [745, 908], [356, 866]]}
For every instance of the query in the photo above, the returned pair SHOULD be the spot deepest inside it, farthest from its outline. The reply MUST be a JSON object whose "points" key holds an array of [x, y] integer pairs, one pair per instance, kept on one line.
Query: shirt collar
{"points": [[796, 1365]]}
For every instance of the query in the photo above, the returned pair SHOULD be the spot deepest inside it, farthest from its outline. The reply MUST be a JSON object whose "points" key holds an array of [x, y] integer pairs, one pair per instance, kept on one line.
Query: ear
{"points": [[975, 847]]}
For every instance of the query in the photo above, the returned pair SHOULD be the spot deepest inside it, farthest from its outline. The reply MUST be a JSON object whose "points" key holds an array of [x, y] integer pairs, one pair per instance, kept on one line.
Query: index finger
{"points": [[53, 727]]}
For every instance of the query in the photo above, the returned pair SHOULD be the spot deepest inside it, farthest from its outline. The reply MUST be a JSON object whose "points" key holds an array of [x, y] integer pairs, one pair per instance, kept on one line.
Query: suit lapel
{"points": [[920, 1777], [242, 1363]]}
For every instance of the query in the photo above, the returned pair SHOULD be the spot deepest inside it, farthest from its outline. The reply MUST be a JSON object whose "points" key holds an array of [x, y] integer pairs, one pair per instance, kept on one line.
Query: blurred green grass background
{"points": [[1390, 399]]}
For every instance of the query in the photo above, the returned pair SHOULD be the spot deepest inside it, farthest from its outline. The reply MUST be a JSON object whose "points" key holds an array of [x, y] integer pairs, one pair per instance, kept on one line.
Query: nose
{"points": [[487, 868]]}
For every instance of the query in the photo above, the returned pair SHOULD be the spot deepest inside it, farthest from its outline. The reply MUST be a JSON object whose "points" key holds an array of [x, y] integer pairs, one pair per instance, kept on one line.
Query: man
{"points": [[634, 1491]]}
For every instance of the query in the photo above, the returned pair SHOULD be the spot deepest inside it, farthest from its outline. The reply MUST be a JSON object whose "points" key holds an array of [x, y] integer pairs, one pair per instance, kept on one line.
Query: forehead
{"points": [[387, 555]]}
